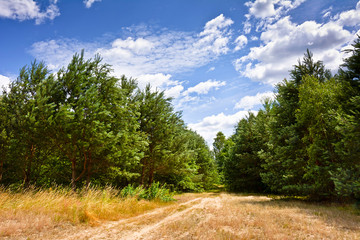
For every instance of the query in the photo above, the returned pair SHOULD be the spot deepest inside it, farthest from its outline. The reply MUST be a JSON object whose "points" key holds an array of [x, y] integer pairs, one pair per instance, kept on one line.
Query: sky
{"points": [[217, 59]]}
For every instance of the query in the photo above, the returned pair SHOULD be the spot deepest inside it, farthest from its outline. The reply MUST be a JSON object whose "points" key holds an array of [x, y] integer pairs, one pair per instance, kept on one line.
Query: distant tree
{"points": [[243, 167], [218, 145]]}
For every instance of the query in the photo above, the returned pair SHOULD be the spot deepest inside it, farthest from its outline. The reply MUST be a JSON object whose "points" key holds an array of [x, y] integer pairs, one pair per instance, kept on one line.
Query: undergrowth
{"points": [[84, 205]]}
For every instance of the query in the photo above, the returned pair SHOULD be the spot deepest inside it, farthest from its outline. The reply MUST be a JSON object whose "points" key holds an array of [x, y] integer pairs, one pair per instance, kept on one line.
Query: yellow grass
{"points": [[34, 211], [35, 215], [255, 217]]}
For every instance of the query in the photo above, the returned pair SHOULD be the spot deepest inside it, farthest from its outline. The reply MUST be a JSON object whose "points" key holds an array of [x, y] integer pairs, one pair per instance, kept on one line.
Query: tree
{"points": [[346, 177], [286, 157], [4, 136], [27, 107], [309, 67], [218, 145], [159, 123], [243, 167], [318, 107], [91, 116]]}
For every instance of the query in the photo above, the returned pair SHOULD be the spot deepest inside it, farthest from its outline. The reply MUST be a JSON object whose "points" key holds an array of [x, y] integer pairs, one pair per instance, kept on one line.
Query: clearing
{"points": [[220, 216]]}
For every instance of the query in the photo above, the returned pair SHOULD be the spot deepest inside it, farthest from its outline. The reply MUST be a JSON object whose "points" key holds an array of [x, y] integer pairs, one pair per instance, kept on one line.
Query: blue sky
{"points": [[217, 58]]}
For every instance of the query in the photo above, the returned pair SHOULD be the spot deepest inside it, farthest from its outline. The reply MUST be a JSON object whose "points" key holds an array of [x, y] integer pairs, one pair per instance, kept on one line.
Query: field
{"points": [[192, 216]]}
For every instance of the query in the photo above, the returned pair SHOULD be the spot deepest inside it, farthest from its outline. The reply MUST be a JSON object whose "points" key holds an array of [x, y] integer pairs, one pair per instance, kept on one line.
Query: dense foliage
{"points": [[82, 125], [306, 142]]}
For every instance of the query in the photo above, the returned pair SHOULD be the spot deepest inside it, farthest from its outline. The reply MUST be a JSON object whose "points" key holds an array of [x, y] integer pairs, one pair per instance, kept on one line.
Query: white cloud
{"points": [[150, 56], [58, 53], [248, 102], [211, 125], [159, 80], [4, 83], [261, 8], [147, 51], [27, 9], [204, 87], [174, 92], [240, 42], [284, 42], [349, 18], [89, 3], [268, 11], [211, 69]]}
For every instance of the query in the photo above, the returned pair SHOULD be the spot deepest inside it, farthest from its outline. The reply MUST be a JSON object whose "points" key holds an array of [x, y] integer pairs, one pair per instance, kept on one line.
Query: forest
{"points": [[305, 142], [81, 126]]}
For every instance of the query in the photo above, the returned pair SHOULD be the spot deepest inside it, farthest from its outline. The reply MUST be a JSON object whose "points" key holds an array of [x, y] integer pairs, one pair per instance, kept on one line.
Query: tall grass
{"points": [[154, 192], [18, 209]]}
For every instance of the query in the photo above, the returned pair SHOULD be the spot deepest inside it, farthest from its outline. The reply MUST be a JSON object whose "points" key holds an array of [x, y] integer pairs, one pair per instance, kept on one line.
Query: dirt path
{"points": [[139, 226], [225, 216]]}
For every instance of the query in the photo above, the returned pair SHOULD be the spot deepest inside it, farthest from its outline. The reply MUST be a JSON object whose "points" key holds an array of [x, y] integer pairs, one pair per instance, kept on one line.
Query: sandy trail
{"points": [[139, 226]]}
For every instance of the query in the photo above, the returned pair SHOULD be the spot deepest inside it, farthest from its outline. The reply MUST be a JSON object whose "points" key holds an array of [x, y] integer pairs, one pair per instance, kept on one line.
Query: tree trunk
{"points": [[143, 171], [88, 173], [151, 172], [1, 168], [27, 170], [73, 176]]}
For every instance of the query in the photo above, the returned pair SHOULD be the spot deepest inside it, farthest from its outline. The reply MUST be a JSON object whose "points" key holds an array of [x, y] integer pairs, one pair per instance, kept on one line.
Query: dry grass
{"points": [[42, 210], [255, 217], [193, 216]]}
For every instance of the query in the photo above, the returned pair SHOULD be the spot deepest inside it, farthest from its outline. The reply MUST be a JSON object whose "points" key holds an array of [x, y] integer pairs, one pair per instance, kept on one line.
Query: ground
{"points": [[220, 216]]}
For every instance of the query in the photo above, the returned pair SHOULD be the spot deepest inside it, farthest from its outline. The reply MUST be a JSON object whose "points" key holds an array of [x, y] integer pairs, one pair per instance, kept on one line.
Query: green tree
{"points": [[243, 167], [346, 177], [27, 108], [318, 107], [159, 124], [218, 145], [286, 157], [91, 117]]}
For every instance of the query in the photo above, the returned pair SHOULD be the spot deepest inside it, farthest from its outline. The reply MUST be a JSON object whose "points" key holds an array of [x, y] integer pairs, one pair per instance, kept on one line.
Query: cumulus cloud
{"points": [[261, 8], [89, 3], [205, 87], [284, 42], [248, 102], [349, 18], [240, 42], [174, 92], [157, 81], [210, 125], [27, 10], [268, 11]]}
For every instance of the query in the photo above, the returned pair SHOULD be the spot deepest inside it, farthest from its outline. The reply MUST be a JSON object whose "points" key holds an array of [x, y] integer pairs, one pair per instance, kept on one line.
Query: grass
{"points": [[34, 210], [232, 216], [193, 216]]}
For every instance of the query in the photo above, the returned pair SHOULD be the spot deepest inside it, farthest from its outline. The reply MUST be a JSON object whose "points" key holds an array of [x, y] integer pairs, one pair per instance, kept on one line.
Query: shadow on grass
{"points": [[342, 215]]}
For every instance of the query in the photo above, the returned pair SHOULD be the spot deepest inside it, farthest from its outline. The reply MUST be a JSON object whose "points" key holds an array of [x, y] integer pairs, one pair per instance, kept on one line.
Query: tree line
{"points": [[306, 142], [82, 125]]}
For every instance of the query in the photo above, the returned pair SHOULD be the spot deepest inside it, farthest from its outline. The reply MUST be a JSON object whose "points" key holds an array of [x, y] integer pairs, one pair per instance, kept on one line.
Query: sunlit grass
{"points": [[35, 210]]}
